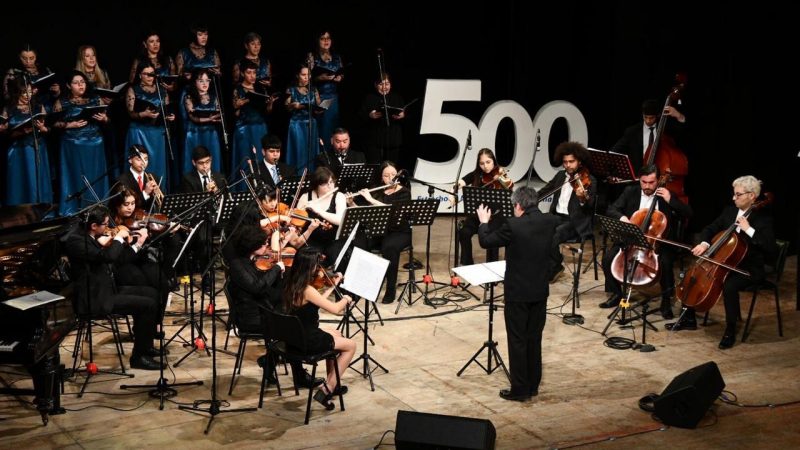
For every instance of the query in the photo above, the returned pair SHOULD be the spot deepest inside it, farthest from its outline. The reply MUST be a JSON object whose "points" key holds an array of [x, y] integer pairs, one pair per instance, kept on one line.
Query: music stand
{"points": [[354, 177], [373, 221], [628, 235], [478, 274], [289, 186], [230, 202], [414, 213], [610, 165], [175, 204]]}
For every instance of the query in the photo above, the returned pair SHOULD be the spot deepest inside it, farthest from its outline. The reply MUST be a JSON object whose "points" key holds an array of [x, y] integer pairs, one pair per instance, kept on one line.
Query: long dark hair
{"points": [[478, 173], [116, 202], [162, 57], [304, 267]]}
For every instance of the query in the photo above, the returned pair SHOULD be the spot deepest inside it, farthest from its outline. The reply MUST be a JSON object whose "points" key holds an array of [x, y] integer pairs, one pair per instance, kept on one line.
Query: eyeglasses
{"points": [[105, 224], [739, 194]]}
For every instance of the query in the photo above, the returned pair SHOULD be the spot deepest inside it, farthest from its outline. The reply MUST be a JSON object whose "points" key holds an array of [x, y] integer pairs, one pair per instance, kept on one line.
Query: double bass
{"points": [[701, 287], [664, 153], [653, 224]]}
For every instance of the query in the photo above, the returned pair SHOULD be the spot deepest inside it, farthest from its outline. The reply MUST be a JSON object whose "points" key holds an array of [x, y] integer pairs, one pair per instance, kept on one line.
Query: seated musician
{"points": [[340, 153], [324, 203], [136, 179], [639, 197], [395, 239], [573, 201], [756, 230], [490, 175], [96, 289], [256, 285], [302, 299]]}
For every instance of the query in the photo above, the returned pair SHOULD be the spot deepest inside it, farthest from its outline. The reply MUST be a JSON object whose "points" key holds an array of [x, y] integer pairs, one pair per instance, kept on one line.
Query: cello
{"points": [[664, 153], [701, 287], [653, 224]]}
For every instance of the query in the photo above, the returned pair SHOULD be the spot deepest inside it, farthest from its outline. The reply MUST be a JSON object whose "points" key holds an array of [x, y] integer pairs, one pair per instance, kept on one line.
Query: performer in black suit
{"points": [[340, 154], [97, 292], [202, 179], [272, 171], [573, 203], [136, 180], [527, 237], [637, 138], [384, 135], [757, 231], [634, 198]]}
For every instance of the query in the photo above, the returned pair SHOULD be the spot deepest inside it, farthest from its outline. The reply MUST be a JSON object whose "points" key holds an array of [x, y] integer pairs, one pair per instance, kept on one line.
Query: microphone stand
{"points": [[164, 119], [380, 80], [80, 192], [467, 147], [535, 151], [312, 100], [221, 114], [36, 152]]}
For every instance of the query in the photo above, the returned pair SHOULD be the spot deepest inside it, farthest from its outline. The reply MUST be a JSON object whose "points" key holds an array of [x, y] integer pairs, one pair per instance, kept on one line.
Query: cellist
{"points": [[757, 231], [638, 197], [573, 200]]}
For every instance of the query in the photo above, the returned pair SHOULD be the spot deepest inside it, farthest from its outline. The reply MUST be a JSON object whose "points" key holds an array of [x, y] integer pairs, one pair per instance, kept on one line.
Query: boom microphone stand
{"points": [[456, 261]]}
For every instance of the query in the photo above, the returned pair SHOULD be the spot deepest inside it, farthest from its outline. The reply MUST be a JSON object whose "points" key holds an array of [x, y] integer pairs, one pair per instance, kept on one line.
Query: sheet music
{"points": [[33, 300], [477, 274], [186, 243], [365, 273], [346, 245]]}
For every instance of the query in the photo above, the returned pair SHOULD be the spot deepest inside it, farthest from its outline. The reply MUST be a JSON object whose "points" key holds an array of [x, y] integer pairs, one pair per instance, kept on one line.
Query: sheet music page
{"points": [[32, 300], [186, 243], [498, 268], [365, 274], [346, 245], [477, 274]]}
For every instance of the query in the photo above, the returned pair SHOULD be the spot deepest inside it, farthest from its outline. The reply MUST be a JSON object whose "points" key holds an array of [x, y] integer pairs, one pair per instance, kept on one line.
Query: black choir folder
{"points": [[40, 80], [103, 92], [27, 122], [260, 98], [204, 113], [319, 70], [323, 105], [397, 109], [168, 79], [140, 105]]}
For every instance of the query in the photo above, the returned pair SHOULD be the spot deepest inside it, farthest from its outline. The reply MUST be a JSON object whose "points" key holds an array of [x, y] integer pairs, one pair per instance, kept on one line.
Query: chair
{"points": [[286, 338], [244, 337], [775, 271]]}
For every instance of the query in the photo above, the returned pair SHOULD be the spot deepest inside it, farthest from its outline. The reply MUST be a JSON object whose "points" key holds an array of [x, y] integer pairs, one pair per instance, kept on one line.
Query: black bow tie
{"points": [[342, 156]]}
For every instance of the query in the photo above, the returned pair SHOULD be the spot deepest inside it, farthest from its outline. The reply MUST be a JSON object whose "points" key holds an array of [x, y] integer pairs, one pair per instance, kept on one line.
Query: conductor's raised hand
{"points": [[484, 213]]}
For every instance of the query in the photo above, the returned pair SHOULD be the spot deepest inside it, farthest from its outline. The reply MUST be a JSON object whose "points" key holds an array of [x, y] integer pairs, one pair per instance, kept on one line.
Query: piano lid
{"points": [[23, 223]]}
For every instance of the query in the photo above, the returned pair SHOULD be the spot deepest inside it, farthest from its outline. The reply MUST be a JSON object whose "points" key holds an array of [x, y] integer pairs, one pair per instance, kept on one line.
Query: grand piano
{"points": [[30, 261]]}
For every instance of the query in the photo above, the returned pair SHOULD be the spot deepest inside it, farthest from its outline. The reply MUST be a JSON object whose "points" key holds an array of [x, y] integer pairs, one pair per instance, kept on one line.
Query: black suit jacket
{"points": [[126, 179], [284, 171], [332, 161], [191, 182], [579, 215], [632, 142], [527, 240], [628, 203], [251, 291], [90, 263], [760, 247]]}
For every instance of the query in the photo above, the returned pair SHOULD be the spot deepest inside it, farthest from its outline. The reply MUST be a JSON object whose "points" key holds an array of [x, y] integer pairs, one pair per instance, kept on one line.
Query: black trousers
{"points": [[142, 303], [524, 326], [469, 229], [564, 232], [391, 245], [734, 283], [666, 263]]}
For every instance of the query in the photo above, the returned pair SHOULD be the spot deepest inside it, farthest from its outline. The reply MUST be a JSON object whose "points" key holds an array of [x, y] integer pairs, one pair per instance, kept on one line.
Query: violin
{"points": [[110, 234], [497, 179], [266, 262], [154, 223], [642, 264], [323, 278], [581, 178]]}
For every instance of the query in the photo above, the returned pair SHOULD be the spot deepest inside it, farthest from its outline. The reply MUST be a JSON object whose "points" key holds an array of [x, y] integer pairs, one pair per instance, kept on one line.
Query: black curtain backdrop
{"points": [[604, 57]]}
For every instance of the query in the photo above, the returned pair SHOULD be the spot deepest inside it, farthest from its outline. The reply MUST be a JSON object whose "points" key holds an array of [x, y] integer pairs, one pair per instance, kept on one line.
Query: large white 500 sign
{"points": [[434, 121]]}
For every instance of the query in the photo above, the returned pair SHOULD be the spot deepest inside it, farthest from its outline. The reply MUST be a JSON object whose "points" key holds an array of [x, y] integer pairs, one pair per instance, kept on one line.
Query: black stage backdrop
{"points": [[604, 57]]}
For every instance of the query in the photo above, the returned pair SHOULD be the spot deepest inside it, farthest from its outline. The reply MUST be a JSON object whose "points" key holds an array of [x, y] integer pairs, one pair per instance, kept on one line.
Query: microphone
{"points": [[255, 157], [538, 141], [469, 139]]}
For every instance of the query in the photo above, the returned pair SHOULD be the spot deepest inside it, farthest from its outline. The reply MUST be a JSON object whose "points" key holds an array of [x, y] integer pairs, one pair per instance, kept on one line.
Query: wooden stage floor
{"points": [[588, 397]]}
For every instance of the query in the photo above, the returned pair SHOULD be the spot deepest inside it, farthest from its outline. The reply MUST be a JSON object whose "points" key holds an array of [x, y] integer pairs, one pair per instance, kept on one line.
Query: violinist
{"points": [[634, 198], [487, 174], [97, 292], [639, 137], [302, 299], [271, 171], [395, 239], [757, 231], [573, 191], [136, 179]]}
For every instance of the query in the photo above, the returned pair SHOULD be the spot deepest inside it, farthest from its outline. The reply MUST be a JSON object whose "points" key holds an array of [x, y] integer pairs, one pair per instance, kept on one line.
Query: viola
{"points": [[701, 286], [642, 264], [497, 179], [664, 153], [266, 262], [154, 223]]}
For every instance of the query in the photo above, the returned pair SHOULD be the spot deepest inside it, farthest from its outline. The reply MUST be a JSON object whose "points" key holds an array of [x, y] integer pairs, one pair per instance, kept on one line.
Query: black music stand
{"points": [[628, 235], [495, 199], [354, 177], [606, 165], [229, 203], [372, 221], [478, 274], [414, 213], [290, 186]]}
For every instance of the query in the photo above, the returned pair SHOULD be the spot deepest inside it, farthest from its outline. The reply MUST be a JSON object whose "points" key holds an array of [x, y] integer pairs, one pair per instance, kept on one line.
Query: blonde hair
{"points": [[100, 77], [749, 183]]}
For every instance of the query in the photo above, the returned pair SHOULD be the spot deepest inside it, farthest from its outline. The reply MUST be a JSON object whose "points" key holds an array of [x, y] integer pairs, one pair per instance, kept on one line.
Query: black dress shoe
{"points": [[666, 310], [506, 394], [324, 399], [388, 297], [612, 302], [342, 389], [728, 339], [682, 325], [144, 362], [155, 353], [308, 382]]}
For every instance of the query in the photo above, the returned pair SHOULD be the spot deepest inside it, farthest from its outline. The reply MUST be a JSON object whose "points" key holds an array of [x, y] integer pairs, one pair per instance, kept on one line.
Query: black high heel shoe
{"points": [[324, 399]]}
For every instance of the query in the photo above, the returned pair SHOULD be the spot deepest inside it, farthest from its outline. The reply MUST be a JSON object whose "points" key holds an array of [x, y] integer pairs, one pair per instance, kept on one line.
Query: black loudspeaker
{"points": [[687, 398], [415, 430]]}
